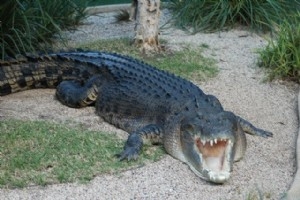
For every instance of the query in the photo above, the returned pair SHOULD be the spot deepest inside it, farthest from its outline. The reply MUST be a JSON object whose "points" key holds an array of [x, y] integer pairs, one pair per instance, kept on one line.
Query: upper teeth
{"points": [[211, 142]]}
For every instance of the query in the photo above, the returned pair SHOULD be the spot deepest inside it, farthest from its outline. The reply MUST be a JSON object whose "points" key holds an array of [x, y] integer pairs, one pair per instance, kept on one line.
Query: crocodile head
{"points": [[208, 145]]}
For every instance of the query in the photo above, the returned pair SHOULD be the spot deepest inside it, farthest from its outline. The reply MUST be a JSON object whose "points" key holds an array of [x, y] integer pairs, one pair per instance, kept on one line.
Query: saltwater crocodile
{"points": [[142, 100]]}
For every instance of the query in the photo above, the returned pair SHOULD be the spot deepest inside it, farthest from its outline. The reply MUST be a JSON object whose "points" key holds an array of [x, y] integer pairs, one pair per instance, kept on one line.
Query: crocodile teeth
{"points": [[213, 141]]}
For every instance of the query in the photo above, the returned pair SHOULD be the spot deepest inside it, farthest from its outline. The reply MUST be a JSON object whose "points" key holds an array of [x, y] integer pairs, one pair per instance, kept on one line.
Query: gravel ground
{"points": [[267, 168]]}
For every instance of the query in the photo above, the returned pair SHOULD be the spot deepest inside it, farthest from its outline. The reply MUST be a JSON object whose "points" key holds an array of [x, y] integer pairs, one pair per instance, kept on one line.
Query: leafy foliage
{"points": [[282, 56], [214, 15], [29, 25]]}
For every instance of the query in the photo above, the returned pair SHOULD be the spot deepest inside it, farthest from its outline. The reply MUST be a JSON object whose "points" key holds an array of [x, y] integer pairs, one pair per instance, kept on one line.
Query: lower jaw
{"points": [[218, 177], [215, 177]]}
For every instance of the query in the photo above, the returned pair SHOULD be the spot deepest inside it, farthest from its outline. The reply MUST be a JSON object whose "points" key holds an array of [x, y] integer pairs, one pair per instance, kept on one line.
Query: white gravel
{"points": [[267, 167]]}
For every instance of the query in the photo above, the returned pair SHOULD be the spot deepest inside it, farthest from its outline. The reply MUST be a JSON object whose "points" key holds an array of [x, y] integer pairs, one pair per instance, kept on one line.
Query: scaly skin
{"points": [[145, 102]]}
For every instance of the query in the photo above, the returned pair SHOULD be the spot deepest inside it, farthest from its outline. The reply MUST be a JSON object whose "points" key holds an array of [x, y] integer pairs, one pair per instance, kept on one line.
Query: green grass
{"points": [[215, 15], [187, 62], [282, 55], [42, 153]]}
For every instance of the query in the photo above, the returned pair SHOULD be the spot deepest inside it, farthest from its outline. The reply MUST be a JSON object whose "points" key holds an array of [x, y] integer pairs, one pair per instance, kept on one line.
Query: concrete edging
{"points": [[294, 192], [107, 8]]}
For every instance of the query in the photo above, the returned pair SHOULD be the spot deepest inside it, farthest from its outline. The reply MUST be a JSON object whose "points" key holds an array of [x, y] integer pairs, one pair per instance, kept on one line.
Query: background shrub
{"points": [[214, 15], [282, 55], [29, 25]]}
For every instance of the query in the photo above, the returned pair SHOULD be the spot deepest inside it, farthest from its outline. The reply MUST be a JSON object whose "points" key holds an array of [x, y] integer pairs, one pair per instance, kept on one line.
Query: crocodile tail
{"points": [[45, 71]]}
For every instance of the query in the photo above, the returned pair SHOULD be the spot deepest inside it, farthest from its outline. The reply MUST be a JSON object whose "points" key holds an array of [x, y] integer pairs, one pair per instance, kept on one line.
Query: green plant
{"points": [[122, 15], [29, 25], [282, 55], [214, 15]]}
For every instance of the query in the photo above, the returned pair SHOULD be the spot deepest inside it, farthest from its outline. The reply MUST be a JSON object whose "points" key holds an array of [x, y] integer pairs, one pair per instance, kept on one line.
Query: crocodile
{"points": [[146, 102]]}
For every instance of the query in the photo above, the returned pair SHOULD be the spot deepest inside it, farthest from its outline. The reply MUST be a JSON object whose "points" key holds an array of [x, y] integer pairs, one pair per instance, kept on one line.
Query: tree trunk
{"points": [[147, 21]]}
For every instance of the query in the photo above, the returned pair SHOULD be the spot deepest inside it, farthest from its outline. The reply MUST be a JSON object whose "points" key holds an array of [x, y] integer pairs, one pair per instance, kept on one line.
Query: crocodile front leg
{"points": [[134, 143], [75, 94], [250, 129]]}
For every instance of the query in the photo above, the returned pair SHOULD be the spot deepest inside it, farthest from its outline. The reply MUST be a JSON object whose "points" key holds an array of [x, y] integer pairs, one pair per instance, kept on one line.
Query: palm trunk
{"points": [[147, 21]]}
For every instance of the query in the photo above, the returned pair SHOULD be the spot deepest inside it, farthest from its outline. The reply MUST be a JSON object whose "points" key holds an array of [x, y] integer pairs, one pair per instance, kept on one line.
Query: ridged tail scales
{"points": [[45, 71]]}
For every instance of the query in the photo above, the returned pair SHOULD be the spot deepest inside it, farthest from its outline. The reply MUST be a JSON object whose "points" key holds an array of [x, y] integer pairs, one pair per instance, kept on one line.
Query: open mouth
{"points": [[216, 158]]}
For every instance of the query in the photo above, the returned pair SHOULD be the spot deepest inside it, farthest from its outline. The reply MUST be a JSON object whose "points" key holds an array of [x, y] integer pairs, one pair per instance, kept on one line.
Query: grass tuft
{"points": [[282, 55], [122, 15], [215, 15], [41, 153]]}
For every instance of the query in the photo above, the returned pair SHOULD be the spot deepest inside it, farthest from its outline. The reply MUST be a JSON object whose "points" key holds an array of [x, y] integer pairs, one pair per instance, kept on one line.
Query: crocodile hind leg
{"points": [[75, 94], [134, 142], [252, 130]]}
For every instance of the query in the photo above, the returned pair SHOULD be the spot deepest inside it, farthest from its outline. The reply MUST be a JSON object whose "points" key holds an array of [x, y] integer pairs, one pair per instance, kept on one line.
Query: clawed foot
{"points": [[132, 148], [130, 153]]}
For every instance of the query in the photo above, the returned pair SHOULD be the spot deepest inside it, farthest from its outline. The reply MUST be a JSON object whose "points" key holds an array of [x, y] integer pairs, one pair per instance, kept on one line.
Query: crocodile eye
{"points": [[187, 127]]}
